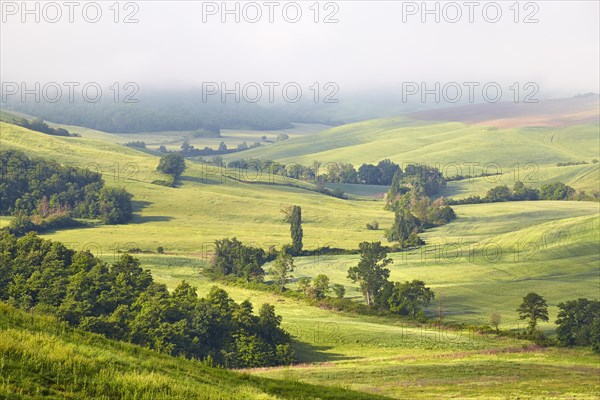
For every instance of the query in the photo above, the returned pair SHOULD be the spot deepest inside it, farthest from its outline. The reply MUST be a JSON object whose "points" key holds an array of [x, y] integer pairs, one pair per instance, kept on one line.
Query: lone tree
{"points": [[371, 272], [282, 268], [296, 229], [172, 164], [495, 320], [534, 307]]}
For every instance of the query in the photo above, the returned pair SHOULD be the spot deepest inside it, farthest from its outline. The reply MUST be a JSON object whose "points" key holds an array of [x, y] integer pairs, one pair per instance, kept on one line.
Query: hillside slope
{"points": [[467, 140], [42, 358]]}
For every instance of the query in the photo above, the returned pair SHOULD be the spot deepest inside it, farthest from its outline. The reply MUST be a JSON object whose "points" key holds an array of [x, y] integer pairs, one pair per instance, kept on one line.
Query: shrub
{"points": [[373, 226]]}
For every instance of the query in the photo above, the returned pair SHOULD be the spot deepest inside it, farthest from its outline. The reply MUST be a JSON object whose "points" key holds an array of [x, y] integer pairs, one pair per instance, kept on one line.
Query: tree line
{"points": [[520, 192], [382, 173], [44, 193], [121, 301], [39, 125]]}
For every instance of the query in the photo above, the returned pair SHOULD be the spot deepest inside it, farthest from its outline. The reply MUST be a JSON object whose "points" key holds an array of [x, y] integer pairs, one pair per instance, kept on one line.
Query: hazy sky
{"points": [[369, 47]]}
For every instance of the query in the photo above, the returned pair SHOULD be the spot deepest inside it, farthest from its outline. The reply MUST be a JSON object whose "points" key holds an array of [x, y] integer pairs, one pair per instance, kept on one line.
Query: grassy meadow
{"points": [[485, 261]]}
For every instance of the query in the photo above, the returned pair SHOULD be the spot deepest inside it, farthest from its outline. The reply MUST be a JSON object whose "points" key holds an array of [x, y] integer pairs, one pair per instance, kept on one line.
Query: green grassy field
{"points": [[396, 358], [206, 207], [485, 261], [528, 154], [173, 140]]}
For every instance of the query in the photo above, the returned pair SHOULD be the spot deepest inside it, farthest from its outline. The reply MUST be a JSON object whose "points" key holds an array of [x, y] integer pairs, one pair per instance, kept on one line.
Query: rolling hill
{"points": [[550, 246]]}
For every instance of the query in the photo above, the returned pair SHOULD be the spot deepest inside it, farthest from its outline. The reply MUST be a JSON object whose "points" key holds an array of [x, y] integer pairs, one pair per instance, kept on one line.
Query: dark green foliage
{"points": [[321, 286], [373, 226], [556, 191], [409, 298], [405, 229], [296, 229], [533, 308], [115, 205], [207, 133], [414, 211], [371, 272], [369, 174], [339, 290], [282, 268], [171, 164], [231, 257], [121, 301], [579, 323], [39, 125], [520, 192], [499, 193], [52, 192], [381, 300], [387, 170], [423, 178], [136, 144]]}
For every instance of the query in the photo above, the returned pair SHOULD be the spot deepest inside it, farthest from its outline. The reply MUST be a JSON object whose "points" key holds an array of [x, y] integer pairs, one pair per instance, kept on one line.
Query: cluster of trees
{"points": [[319, 288], [46, 189], [189, 150], [423, 179], [408, 198], [121, 301], [568, 163], [426, 178], [520, 192], [136, 144], [578, 320], [209, 132], [39, 125], [403, 298], [232, 257], [579, 323]]}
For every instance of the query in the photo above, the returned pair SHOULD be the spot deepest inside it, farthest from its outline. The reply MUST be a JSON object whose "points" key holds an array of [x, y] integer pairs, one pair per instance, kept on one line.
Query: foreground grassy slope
{"points": [[42, 358], [393, 357]]}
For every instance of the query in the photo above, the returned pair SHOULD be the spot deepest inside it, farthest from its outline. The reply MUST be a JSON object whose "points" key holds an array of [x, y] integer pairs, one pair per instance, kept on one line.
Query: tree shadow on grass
{"points": [[307, 353], [141, 219], [214, 179], [139, 205]]}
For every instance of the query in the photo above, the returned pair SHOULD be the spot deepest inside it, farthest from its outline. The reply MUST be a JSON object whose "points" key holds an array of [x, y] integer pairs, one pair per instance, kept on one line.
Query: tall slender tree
{"points": [[296, 229]]}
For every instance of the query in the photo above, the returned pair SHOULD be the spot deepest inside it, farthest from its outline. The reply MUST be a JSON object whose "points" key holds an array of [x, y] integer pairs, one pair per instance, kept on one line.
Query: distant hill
{"points": [[549, 113], [484, 135]]}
